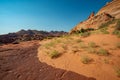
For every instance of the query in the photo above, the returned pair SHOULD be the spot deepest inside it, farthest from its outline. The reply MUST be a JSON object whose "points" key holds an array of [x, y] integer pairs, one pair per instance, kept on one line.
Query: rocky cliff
{"points": [[112, 8], [109, 12]]}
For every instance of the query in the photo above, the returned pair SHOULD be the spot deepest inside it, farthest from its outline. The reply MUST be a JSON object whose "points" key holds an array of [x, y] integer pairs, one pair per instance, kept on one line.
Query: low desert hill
{"points": [[27, 35]]}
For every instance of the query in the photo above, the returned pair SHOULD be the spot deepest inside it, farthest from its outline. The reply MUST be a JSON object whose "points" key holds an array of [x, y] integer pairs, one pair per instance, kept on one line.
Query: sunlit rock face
{"points": [[112, 8], [107, 13]]}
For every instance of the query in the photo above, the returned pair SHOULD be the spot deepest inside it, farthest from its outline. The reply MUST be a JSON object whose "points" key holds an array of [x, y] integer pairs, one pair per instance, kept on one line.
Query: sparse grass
{"points": [[108, 23], [85, 34], [117, 70], [91, 50], [117, 29], [117, 33], [85, 59], [118, 45], [103, 52], [104, 44], [74, 50], [106, 61], [64, 47], [92, 44], [104, 30], [67, 37], [96, 31], [78, 40], [50, 44], [54, 54], [58, 41], [82, 45]]}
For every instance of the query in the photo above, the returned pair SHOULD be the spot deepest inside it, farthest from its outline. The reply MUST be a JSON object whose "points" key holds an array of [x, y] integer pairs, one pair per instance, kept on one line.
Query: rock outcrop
{"points": [[109, 12], [91, 15], [112, 8]]}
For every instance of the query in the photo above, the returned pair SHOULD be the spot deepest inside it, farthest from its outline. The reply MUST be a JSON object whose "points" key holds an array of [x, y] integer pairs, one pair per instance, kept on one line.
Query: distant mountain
{"points": [[106, 14], [27, 35]]}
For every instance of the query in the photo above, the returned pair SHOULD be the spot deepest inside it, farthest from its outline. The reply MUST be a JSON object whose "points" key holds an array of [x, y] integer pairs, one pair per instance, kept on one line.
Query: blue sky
{"points": [[45, 14]]}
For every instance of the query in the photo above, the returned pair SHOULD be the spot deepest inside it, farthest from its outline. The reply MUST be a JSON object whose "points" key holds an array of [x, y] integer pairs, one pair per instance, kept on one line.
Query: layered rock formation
{"points": [[109, 12], [112, 8]]}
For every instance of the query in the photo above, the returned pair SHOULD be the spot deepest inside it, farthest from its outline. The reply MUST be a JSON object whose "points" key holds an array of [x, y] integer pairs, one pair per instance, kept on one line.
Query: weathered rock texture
{"points": [[109, 12], [112, 8]]}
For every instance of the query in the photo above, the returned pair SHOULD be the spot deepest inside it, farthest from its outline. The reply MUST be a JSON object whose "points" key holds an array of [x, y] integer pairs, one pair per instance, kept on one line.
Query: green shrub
{"points": [[103, 52], [85, 59], [54, 54]]}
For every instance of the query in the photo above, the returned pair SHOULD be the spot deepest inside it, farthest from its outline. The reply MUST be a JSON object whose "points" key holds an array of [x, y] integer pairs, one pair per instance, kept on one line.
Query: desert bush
{"points": [[106, 61], [117, 70], [50, 44], [85, 30], [103, 52], [117, 27], [116, 32], [66, 36], [92, 44], [104, 30], [78, 40], [107, 24], [85, 59], [57, 41], [118, 45], [82, 45], [91, 50], [64, 47], [54, 54], [85, 34]]}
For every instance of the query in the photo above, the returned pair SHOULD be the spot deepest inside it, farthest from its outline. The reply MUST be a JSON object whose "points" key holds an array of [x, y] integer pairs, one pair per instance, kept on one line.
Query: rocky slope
{"points": [[20, 62], [27, 35], [106, 14], [112, 8]]}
